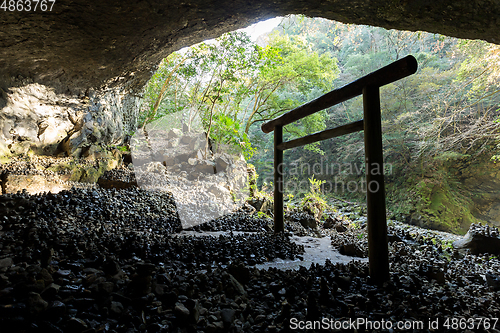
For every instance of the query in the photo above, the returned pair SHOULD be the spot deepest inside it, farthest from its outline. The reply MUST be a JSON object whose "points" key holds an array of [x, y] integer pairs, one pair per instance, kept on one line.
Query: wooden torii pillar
{"points": [[368, 86]]}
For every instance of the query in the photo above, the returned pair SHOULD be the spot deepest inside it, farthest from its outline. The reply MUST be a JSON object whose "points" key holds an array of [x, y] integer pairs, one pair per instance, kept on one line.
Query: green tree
{"points": [[290, 74], [233, 82]]}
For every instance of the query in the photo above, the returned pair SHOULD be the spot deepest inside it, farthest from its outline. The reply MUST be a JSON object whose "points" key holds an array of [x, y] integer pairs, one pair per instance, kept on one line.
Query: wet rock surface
{"points": [[97, 260]]}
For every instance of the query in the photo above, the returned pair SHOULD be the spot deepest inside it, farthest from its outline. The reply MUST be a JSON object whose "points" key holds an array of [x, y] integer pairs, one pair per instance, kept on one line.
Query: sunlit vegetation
{"points": [[233, 84], [444, 115]]}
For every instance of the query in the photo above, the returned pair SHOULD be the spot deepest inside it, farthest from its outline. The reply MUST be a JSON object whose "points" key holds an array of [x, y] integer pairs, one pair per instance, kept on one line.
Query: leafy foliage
{"points": [[313, 201], [445, 114], [232, 84]]}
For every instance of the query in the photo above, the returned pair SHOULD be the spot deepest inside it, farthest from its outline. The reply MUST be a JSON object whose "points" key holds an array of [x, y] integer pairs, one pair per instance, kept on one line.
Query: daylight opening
{"points": [[444, 115]]}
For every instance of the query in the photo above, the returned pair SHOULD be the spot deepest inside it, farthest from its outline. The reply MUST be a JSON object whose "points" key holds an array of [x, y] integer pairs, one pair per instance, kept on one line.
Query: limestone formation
{"points": [[38, 119], [205, 184]]}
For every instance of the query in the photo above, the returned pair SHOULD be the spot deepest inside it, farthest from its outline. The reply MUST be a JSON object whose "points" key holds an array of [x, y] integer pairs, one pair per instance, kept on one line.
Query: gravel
{"points": [[96, 260]]}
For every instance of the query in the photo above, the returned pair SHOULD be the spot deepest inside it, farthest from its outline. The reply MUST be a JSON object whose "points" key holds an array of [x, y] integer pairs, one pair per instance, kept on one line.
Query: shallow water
{"points": [[317, 250]]}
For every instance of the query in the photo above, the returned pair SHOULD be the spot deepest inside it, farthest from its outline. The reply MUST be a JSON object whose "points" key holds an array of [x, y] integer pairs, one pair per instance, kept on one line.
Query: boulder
{"points": [[340, 227], [195, 144], [181, 311], [351, 249], [205, 167], [172, 143], [186, 139], [221, 164], [36, 303], [227, 315], [306, 220], [174, 133], [232, 287], [6, 263], [240, 272], [218, 191], [256, 203], [184, 157], [493, 281], [329, 222], [480, 239]]}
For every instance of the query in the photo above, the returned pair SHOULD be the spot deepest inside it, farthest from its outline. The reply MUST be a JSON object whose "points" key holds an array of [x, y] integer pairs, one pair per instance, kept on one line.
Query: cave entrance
{"points": [[304, 58]]}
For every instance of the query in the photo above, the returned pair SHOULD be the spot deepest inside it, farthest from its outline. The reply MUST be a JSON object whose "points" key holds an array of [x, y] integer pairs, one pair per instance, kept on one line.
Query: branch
{"points": [[163, 91]]}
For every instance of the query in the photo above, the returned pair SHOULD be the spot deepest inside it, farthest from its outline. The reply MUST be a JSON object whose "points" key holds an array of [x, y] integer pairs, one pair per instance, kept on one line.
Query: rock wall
{"points": [[458, 193], [205, 179], [81, 44], [36, 119], [482, 180]]}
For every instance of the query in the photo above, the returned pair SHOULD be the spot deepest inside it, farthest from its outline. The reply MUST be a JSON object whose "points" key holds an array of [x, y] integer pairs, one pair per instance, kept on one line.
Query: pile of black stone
{"points": [[239, 221], [121, 177], [111, 261]]}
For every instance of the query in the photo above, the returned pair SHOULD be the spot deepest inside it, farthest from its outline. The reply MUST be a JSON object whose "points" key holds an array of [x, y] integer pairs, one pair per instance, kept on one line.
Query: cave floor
{"points": [[317, 251]]}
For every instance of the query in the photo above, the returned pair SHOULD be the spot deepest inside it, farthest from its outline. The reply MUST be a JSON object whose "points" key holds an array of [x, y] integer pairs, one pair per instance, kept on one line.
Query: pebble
{"points": [[227, 315], [181, 311], [110, 260], [5, 263]]}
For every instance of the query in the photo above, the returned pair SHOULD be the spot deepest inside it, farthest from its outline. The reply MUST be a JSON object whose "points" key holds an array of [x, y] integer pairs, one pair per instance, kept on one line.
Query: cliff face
{"points": [[36, 118], [68, 76], [450, 196]]}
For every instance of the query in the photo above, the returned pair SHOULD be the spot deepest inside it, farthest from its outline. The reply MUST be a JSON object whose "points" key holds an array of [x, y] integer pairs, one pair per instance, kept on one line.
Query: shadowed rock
{"points": [[480, 239]]}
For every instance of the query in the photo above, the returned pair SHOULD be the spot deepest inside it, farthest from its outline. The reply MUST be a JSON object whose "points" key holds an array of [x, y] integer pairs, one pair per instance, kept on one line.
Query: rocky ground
{"points": [[114, 260]]}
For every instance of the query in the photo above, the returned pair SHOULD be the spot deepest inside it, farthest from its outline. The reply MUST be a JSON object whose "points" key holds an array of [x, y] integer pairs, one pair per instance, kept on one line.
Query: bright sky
{"points": [[255, 30], [262, 27]]}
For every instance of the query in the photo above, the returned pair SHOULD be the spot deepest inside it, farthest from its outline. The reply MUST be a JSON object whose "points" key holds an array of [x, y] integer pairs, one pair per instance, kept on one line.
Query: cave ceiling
{"points": [[82, 44]]}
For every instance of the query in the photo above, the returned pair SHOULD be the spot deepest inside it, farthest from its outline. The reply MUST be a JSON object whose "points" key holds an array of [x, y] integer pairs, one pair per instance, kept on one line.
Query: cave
{"points": [[88, 61], [107, 257]]}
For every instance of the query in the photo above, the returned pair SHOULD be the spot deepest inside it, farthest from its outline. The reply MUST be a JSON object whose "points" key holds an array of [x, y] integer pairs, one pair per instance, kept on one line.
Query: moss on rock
{"points": [[5, 155], [450, 194], [90, 175], [84, 173], [443, 207]]}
